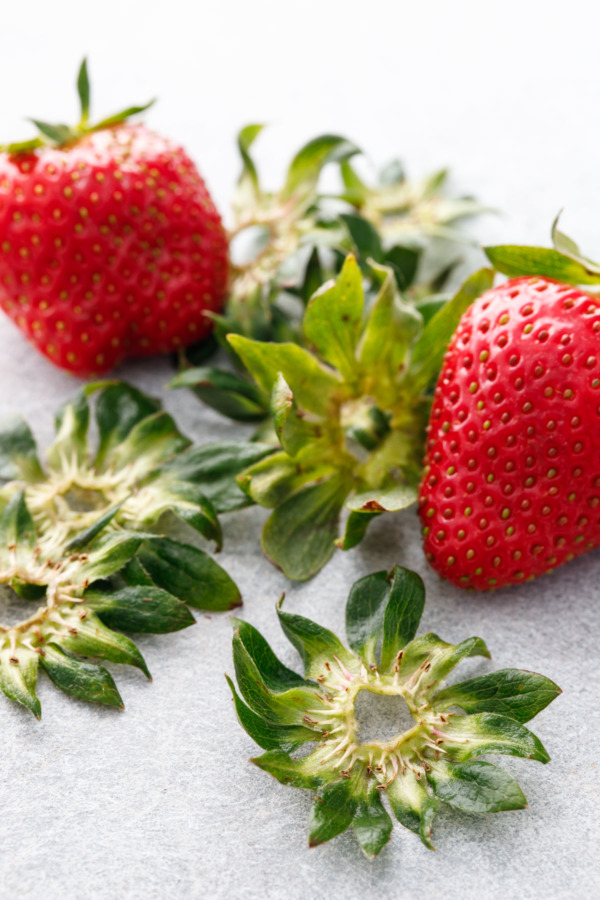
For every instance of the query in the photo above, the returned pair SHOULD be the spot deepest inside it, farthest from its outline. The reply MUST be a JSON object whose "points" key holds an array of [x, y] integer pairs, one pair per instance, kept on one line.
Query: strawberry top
{"points": [[512, 480]]}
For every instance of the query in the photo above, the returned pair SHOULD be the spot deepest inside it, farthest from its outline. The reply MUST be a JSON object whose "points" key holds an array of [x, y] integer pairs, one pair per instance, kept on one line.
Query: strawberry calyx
{"points": [[349, 416], [434, 760], [61, 135], [91, 533]]}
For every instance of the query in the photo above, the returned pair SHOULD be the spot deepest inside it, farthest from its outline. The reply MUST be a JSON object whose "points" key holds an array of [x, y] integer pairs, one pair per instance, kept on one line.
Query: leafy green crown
{"points": [[89, 535], [434, 761], [60, 135], [349, 418]]}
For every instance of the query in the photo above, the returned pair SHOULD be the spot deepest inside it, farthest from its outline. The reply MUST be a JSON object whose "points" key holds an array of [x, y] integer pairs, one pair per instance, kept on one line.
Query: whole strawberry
{"points": [[110, 245], [511, 486]]}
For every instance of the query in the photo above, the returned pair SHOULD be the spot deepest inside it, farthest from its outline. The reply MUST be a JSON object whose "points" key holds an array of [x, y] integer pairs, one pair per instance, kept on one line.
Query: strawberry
{"points": [[110, 245], [511, 486]]}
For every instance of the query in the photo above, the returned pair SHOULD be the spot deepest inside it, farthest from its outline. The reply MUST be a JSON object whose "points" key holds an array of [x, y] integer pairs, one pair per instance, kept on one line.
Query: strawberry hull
{"points": [[511, 486], [109, 248]]}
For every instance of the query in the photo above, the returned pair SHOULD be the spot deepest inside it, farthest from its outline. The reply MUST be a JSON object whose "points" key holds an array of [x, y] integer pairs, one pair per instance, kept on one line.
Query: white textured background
{"points": [[159, 801]]}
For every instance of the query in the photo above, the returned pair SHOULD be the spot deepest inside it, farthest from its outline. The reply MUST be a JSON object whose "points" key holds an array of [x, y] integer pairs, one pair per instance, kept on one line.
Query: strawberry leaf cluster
{"points": [[437, 760], [349, 417], [92, 535]]}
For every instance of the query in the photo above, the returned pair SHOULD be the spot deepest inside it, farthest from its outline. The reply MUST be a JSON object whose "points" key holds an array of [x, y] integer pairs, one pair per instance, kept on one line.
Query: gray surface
{"points": [[159, 801]]}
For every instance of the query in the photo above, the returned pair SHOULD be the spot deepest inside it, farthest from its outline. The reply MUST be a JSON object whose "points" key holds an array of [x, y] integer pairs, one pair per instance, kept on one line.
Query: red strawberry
{"points": [[110, 245], [511, 487]]}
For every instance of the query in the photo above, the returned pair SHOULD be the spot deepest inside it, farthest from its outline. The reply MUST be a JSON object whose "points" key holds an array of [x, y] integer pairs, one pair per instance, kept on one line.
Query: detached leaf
{"points": [[332, 812], [333, 317], [389, 499], [143, 609], [365, 610], [266, 734], [119, 408], [509, 692], [315, 644], [190, 574], [402, 615], [80, 679], [372, 823], [18, 676], [413, 805], [72, 421], [513, 260], [18, 451], [293, 429], [355, 530], [299, 536], [276, 676], [470, 736], [475, 787], [91, 638], [300, 773]]}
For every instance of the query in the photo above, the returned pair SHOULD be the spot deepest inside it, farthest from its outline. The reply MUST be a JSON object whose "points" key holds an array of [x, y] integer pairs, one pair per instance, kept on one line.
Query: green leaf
{"points": [[299, 535], [91, 638], [372, 823], [391, 328], [83, 89], [248, 190], [18, 676], [365, 610], [186, 501], [475, 787], [149, 443], [412, 804], [428, 352], [513, 260], [119, 408], [109, 553], [17, 532], [142, 609], [402, 614], [332, 812], [287, 707], [58, 134], [122, 116], [214, 468], [300, 773], [305, 169], [313, 275], [469, 736], [510, 692], [293, 430], [315, 644], [446, 656], [313, 386], [266, 734], [273, 479], [272, 671], [72, 421], [226, 392], [364, 237], [569, 248], [388, 499], [332, 320], [190, 574], [355, 530], [18, 451], [80, 679], [85, 537], [405, 262]]}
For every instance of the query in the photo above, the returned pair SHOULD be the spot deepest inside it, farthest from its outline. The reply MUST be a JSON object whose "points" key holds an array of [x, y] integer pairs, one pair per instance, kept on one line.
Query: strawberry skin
{"points": [[511, 486], [110, 247]]}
